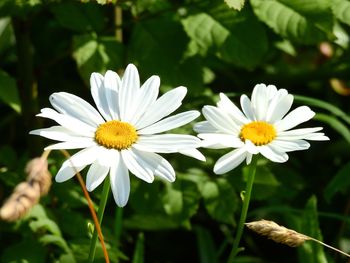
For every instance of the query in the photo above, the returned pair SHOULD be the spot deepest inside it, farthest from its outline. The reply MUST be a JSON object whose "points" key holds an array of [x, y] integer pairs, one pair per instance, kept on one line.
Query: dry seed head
{"points": [[37, 171], [23, 198], [277, 233], [28, 193]]}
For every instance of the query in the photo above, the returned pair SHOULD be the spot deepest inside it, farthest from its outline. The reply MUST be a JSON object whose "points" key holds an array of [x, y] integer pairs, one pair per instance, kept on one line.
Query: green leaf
{"points": [[205, 244], [45, 224], [94, 54], [8, 91], [339, 183], [82, 17], [181, 200], [291, 21], [139, 249], [323, 105], [235, 4], [311, 252], [158, 46], [337, 125], [228, 37], [341, 10], [220, 200], [243, 48], [316, 11], [54, 240], [152, 221], [27, 251]]}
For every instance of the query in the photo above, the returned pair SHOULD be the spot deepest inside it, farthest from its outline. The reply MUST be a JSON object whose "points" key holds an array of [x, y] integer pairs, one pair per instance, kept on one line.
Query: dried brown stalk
{"points": [[91, 207], [281, 234], [28, 193]]}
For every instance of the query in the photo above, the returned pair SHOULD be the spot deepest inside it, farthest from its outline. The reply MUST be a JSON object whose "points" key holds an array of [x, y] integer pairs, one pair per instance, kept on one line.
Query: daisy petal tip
{"points": [[121, 202]]}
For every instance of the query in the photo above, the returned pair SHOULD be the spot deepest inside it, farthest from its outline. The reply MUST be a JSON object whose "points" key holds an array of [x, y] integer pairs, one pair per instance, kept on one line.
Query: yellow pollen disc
{"points": [[258, 132], [116, 134]]}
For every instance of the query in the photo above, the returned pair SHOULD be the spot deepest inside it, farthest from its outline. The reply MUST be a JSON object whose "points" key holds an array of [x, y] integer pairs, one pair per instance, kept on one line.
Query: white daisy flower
{"points": [[123, 135], [263, 127]]}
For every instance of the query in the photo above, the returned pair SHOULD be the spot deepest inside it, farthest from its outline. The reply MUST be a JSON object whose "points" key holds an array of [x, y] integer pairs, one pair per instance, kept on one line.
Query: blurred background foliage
{"points": [[209, 46]]}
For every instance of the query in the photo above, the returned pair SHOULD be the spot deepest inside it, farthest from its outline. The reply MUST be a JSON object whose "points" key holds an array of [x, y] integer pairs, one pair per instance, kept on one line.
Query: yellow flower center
{"points": [[258, 132], [116, 134]]}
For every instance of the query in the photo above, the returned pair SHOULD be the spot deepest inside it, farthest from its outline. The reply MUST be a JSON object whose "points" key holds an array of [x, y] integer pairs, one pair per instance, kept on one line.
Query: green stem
{"points": [[118, 226], [101, 209], [245, 206]]}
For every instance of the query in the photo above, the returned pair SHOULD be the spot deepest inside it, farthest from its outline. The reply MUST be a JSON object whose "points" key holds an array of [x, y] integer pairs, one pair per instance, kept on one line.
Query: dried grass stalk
{"points": [[27, 193], [281, 234], [277, 233]]}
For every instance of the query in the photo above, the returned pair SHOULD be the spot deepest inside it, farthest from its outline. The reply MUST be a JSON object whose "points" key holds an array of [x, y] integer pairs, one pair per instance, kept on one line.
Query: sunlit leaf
{"points": [[341, 9], [235, 4], [293, 20], [228, 38], [96, 54]]}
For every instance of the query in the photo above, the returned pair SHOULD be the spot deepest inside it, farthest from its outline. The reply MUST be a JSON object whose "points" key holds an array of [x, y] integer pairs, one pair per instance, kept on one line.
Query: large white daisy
{"points": [[263, 127], [123, 135]]}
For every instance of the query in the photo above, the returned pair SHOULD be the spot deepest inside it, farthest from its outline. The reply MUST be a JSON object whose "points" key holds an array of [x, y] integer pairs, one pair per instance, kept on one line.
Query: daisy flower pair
{"points": [[126, 132]]}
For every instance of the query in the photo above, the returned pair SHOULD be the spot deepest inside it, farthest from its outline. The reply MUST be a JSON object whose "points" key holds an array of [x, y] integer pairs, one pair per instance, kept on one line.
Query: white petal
{"points": [[132, 161], [230, 161], [250, 147], [294, 118], [170, 123], [166, 143], [226, 140], [99, 96], [157, 164], [247, 108], [68, 122], [248, 158], [147, 96], [298, 133], [220, 120], [163, 106], [76, 107], [205, 127], [77, 144], [290, 146], [193, 153], [96, 174], [271, 91], [76, 163], [228, 106], [279, 106], [270, 153], [129, 93], [318, 136], [260, 101], [120, 181], [112, 84], [57, 133]]}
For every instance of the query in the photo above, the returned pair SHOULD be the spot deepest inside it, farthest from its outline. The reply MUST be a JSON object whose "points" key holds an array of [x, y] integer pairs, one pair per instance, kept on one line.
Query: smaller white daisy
{"points": [[262, 127], [123, 135]]}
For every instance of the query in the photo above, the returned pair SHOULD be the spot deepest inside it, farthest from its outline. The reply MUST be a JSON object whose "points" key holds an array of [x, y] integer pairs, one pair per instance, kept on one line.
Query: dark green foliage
{"points": [[209, 48]]}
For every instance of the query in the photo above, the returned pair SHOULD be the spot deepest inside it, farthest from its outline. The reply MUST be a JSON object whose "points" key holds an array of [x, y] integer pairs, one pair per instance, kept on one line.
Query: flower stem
{"points": [[100, 212], [247, 194]]}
